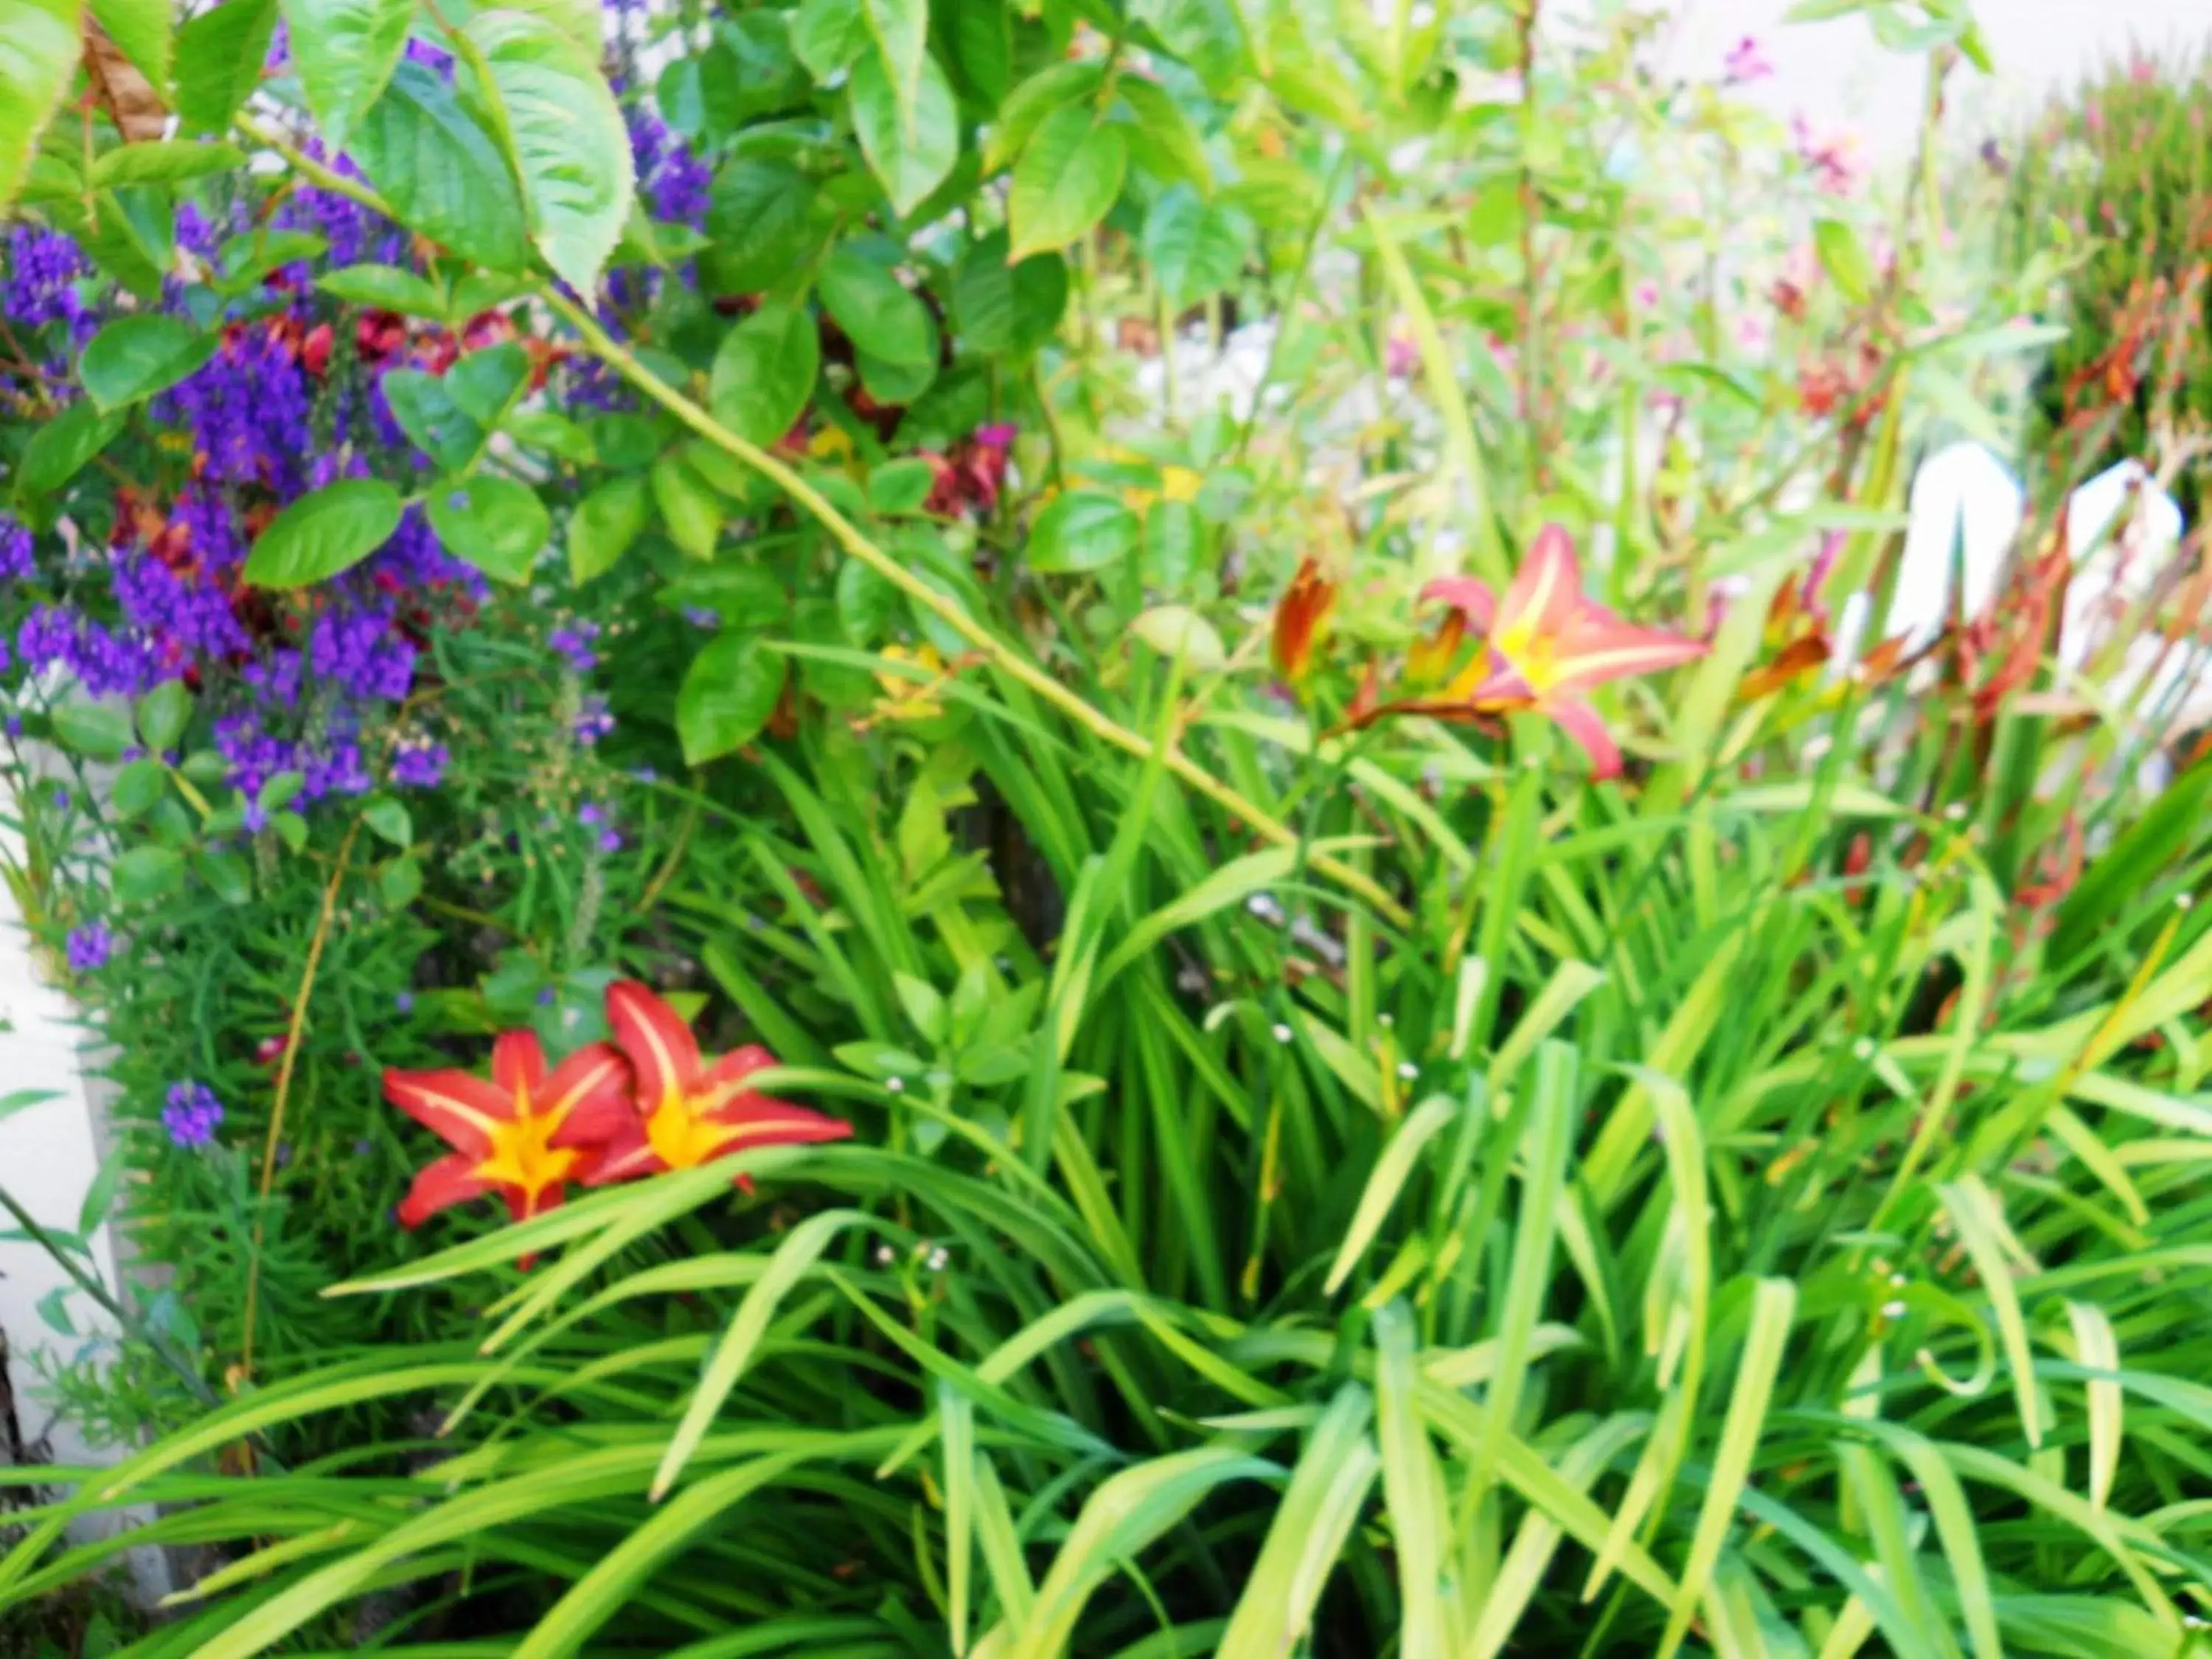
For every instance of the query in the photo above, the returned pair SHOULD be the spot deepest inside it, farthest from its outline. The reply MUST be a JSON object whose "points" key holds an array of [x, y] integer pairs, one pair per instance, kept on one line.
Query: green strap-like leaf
{"points": [[344, 52], [38, 55], [564, 135]]}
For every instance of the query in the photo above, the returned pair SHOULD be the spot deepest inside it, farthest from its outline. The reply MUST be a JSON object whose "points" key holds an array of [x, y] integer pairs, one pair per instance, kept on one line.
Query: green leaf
{"points": [[319, 535], [139, 788], [690, 506], [432, 421], [565, 136], [97, 731], [134, 357], [1069, 175], [440, 172], [390, 819], [983, 47], [219, 58], [902, 485], [59, 449], [1163, 140], [556, 434], [226, 875], [578, 20], [498, 525], [39, 47], [142, 32], [727, 695], [901, 31], [910, 155], [1044, 93], [165, 163], [1177, 632], [1002, 308], [1844, 259], [703, 96], [765, 371], [1081, 530], [146, 873], [484, 383], [399, 884], [757, 213], [387, 287], [344, 52], [876, 311], [250, 255], [1174, 543], [604, 526], [163, 713], [1196, 247], [828, 36]]}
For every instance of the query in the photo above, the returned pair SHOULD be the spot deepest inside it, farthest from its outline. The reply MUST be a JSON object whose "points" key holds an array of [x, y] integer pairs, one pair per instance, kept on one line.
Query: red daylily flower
{"points": [[1301, 620], [688, 1111], [523, 1133], [1545, 644]]}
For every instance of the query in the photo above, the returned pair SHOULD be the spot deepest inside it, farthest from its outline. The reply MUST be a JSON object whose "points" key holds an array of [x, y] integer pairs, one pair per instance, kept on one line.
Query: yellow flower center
{"points": [[522, 1154], [682, 1139], [1534, 656]]}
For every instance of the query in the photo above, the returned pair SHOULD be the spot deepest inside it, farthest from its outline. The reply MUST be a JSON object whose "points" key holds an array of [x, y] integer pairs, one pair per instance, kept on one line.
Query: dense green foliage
{"points": [[1388, 1115]]}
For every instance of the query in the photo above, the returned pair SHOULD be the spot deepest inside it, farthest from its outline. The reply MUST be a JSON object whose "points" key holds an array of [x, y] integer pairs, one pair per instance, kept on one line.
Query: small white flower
{"points": [[1893, 1309], [896, 1085], [885, 1255], [1817, 746], [1384, 1021], [1408, 1070], [1955, 811], [1263, 905], [1899, 1281], [1282, 1033], [1863, 1048], [2183, 901], [938, 1259]]}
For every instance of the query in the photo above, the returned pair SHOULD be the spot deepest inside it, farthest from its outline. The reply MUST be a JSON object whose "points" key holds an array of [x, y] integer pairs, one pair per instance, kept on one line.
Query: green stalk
{"points": [[858, 545]]}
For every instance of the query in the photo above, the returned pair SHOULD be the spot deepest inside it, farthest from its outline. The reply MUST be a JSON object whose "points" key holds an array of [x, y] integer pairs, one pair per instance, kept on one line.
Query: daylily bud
{"points": [[1301, 621]]}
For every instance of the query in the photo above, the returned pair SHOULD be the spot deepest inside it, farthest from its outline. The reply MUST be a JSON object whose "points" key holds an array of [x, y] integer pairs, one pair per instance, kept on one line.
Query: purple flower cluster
{"points": [[572, 643], [191, 1116], [248, 411], [104, 661], [89, 947], [43, 270], [594, 721], [670, 177], [419, 765], [18, 556]]}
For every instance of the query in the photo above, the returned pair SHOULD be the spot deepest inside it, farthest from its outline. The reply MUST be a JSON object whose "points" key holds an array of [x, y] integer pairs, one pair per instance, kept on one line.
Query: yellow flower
{"points": [[905, 697]]}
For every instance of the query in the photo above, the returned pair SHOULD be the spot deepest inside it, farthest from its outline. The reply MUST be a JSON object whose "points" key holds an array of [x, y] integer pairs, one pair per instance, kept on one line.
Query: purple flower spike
{"points": [[192, 1116]]}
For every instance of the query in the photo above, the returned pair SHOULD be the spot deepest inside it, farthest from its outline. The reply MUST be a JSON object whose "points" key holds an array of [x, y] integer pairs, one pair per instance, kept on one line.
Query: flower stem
{"points": [[857, 545]]}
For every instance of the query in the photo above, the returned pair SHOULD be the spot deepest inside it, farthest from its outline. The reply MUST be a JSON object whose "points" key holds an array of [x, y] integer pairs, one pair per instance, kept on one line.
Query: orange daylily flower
{"points": [[1547, 642], [687, 1110], [1301, 620], [523, 1133]]}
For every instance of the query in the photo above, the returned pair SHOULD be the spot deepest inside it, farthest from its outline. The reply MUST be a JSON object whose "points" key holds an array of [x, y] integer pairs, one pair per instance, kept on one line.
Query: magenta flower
{"points": [[1747, 62]]}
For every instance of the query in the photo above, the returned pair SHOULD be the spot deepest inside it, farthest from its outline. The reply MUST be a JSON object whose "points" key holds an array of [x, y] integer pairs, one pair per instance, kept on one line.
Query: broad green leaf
{"points": [[902, 485], [1844, 259], [498, 525], [1069, 175], [138, 787], [983, 48], [163, 715], [876, 311], [1003, 308], [344, 52], [900, 29], [727, 695], [134, 357], [386, 286], [168, 163], [911, 154], [828, 36], [97, 731], [144, 31], [146, 873], [39, 48], [690, 507], [605, 524], [60, 448], [580, 20], [390, 819], [1196, 247], [1046, 93], [440, 172], [1179, 633], [427, 413], [319, 535], [1081, 530], [218, 63], [758, 215], [484, 384], [1162, 139], [564, 134], [765, 371]]}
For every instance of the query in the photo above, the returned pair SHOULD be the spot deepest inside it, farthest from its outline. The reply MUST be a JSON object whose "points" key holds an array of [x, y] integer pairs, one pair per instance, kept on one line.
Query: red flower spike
{"points": [[522, 1134], [688, 1111], [1547, 642]]}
